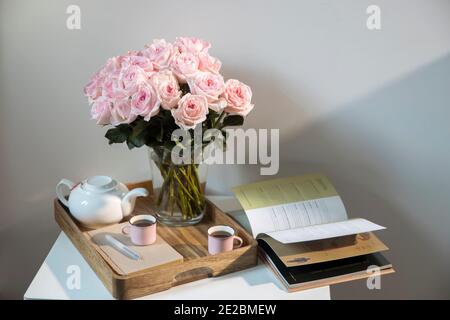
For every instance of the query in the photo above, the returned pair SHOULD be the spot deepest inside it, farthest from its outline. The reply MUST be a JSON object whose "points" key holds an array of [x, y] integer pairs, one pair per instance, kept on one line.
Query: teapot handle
{"points": [[60, 192]]}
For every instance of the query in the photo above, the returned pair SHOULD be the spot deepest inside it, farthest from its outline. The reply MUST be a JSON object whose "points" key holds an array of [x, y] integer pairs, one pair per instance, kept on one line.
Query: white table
{"points": [[258, 282]]}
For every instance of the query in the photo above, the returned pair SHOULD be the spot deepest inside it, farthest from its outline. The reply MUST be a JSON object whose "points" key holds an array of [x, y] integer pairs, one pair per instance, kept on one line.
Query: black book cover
{"points": [[323, 270]]}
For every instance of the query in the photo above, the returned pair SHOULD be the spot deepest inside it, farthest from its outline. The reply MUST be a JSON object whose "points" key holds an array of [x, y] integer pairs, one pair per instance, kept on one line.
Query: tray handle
{"points": [[193, 275]]}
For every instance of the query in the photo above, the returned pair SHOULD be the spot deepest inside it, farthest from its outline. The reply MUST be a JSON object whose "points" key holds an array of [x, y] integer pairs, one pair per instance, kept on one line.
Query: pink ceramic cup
{"points": [[141, 229], [221, 239]]}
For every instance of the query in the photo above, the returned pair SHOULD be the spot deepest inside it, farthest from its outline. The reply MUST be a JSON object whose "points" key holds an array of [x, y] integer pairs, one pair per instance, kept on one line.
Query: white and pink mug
{"points": [[141, 229], [222, 239]]}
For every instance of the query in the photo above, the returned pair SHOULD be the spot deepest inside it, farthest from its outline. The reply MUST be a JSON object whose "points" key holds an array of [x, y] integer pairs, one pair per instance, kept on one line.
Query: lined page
{"points": [[289, 203], [275, 192], [296, 215], [325, 231]]}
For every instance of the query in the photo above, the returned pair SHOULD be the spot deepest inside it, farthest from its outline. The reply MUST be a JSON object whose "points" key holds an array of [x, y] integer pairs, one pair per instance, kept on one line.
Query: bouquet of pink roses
{"points": [[148, 94]]}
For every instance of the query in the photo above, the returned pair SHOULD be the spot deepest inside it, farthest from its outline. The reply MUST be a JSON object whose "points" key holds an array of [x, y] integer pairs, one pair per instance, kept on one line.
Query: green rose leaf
{"points": [[130, 144], [138, 136], [233, 120], [118, 134]]}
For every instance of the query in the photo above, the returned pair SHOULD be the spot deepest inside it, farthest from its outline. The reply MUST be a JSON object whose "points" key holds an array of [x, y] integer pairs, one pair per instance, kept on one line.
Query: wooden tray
{"points": [[191, 242]]}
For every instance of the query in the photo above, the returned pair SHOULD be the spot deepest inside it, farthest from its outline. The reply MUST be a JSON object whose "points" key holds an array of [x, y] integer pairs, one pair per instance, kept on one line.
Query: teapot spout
{"points": [[130, 198]]}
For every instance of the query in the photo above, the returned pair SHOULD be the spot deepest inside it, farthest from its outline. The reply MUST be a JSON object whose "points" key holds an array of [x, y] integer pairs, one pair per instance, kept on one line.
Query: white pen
{"points": [[122, 248]]}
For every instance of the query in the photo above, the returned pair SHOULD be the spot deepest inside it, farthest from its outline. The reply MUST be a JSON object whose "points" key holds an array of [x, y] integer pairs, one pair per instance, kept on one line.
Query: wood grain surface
{"points": [[191, 242]]}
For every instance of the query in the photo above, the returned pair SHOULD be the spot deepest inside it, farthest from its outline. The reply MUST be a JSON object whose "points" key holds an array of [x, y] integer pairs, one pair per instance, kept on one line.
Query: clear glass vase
{"points": [[178, 190]]}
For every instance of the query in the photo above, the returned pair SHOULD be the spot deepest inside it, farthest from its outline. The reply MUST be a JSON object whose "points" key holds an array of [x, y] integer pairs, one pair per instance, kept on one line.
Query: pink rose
{"points": [[159, 52], [238, 97], [131, 76], [207, 84], [112, 89], [113, 65], [133, 53], [218, 105], [209, 63], [145, 102], [121, 112], [191, 44], [93, 89], [184, 65], [108, 87], [192, 110], [167, 87], [143, 62], [100, 111]]}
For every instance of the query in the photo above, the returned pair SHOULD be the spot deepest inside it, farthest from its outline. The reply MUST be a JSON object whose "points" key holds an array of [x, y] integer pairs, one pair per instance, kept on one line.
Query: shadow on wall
{"points": [[269, 100], [388, 155]]}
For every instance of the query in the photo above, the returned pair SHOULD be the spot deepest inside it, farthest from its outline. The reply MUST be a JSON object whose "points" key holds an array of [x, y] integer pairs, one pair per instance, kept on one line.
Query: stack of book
{"points": [[305, 235]]}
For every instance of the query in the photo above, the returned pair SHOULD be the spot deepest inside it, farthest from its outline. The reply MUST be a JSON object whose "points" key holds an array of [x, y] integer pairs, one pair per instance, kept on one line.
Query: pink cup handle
{"points": [[239, 242], [126, 229]]}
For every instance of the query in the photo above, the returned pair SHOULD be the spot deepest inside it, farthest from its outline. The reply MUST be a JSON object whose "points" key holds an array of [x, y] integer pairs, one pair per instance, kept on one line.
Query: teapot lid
{"points": [[99, 183]]}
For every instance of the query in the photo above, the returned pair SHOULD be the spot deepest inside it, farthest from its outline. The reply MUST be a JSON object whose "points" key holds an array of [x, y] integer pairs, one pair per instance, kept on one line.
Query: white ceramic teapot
{"points": [[99, 200]]}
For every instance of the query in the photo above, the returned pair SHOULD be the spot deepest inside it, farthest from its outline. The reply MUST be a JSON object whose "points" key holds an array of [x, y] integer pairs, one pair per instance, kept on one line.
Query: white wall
{"points": [[369, 108]]}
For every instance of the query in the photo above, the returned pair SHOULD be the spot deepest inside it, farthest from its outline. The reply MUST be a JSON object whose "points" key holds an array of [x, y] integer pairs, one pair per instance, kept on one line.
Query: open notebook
{"points": [[302, 228], [296, 209]]}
